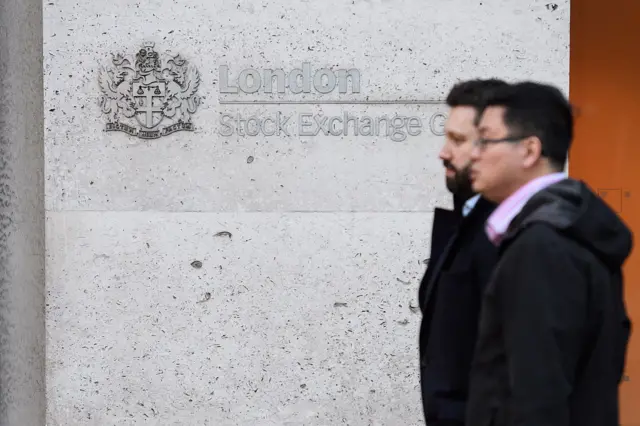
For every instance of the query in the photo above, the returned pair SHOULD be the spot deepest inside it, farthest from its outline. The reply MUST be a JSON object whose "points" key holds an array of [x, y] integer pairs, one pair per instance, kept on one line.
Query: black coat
{"points": [[554, 329], [450, 295]]}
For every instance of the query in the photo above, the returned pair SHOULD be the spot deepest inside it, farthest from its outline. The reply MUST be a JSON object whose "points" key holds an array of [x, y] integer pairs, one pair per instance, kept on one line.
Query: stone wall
{"points": [[198, 276], [22, 216]]}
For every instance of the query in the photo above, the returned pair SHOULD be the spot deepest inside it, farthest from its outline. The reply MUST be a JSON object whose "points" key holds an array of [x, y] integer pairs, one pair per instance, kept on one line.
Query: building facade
{"points": [[237, 199]]}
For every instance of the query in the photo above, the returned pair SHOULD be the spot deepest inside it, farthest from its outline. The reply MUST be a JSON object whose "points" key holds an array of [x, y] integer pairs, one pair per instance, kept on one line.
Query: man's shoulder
{"points": [[540, 240], [535, 234]]}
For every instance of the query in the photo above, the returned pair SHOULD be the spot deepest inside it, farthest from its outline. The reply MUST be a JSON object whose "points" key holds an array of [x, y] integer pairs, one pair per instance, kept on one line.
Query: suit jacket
{"points": [[450, 294]]}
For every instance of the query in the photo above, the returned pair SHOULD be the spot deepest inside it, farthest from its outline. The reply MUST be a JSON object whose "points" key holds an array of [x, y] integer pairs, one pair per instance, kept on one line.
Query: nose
{"points": [[476, 150], [445, 153]]}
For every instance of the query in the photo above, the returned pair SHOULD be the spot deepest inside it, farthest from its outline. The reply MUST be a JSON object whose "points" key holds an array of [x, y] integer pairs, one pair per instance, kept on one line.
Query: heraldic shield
{"points": [[149, 95]]}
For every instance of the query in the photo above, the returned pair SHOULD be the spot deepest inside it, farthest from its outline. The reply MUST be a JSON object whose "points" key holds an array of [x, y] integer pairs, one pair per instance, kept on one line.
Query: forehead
{"points": [[461, 119], [492, 119]]}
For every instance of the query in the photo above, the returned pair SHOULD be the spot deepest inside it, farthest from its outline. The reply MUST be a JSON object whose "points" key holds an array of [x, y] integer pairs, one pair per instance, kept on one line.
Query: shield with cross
{"points": [[149, 99]]}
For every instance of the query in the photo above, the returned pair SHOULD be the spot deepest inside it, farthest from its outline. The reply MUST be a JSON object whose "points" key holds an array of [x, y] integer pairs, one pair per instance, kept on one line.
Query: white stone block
{"points": [[154, 319], [315, 220]]}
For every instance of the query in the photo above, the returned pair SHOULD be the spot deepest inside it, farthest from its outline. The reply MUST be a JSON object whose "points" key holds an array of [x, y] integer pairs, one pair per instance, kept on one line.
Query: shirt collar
{"points": [[470, 204], [499, 221]]}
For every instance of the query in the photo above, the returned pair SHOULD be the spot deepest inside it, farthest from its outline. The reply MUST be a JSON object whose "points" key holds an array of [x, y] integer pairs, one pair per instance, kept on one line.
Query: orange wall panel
{"points": [[605, 89]]}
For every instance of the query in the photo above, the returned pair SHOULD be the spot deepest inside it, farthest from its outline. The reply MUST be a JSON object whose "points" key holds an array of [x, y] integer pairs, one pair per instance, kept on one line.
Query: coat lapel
{"points": [[438, 266], [453, 229]]}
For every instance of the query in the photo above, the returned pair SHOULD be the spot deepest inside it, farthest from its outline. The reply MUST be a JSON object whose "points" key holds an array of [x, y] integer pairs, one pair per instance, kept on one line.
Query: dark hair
{"points": [[536, 109], [473, 93]]}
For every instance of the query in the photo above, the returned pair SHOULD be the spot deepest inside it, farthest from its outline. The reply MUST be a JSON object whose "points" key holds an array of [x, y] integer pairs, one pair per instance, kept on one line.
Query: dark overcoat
{"points": [[460, 263]]}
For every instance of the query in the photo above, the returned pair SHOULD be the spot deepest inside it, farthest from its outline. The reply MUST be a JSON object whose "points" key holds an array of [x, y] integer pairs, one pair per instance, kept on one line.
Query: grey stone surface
{"points": [[165, 319], [259, 333], [22, 281], [406, 49]]}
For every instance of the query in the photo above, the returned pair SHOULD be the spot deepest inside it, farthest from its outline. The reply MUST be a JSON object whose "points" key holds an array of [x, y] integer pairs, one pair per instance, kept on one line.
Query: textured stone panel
{"points": [[160, 318], [303, 316], [404, 50]]}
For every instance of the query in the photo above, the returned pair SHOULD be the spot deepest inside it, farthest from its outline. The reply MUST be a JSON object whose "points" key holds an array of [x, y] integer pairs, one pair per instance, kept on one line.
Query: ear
{"points": [[532, 147]]}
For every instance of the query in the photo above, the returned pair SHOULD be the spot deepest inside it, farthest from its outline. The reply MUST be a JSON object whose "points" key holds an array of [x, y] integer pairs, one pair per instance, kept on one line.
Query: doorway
{"points": [[604, 86]]}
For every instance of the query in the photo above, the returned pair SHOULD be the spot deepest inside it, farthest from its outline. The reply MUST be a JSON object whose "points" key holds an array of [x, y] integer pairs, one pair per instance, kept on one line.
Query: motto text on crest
{"points": [[147, 95]]}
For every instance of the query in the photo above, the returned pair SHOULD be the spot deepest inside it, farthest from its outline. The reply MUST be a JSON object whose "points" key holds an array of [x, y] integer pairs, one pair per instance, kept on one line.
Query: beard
{"points": [[460, 183]]}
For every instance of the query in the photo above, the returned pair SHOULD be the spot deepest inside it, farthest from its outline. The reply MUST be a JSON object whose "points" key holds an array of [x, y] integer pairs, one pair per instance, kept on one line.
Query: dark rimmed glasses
{"points": [[482, 142]]}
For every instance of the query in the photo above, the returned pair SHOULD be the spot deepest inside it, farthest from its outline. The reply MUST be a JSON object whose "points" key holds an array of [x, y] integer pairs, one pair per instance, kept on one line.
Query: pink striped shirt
{"points": [[502, 216]]}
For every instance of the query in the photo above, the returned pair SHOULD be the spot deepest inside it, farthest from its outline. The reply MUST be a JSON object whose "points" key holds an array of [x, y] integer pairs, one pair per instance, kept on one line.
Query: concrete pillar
{"points": [[22, 279]]}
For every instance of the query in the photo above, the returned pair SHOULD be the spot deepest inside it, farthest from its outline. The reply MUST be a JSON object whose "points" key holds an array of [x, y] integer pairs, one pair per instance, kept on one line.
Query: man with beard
{"points": [[461, 261]]}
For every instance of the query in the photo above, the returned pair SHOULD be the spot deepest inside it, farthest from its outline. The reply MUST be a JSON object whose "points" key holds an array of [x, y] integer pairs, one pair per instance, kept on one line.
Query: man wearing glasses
{"points": [[554, 328]]}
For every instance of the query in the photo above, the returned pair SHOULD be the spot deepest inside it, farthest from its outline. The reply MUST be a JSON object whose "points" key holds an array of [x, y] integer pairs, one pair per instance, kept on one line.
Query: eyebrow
{"points": [[456, 135]]}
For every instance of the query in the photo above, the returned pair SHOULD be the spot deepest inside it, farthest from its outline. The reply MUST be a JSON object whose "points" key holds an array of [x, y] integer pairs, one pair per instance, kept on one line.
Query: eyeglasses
{"points": [[481, 143]]}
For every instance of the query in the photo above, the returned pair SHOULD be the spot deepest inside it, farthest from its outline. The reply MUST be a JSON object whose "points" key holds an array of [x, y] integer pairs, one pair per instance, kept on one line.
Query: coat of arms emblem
{"points": [[149, 95]]}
